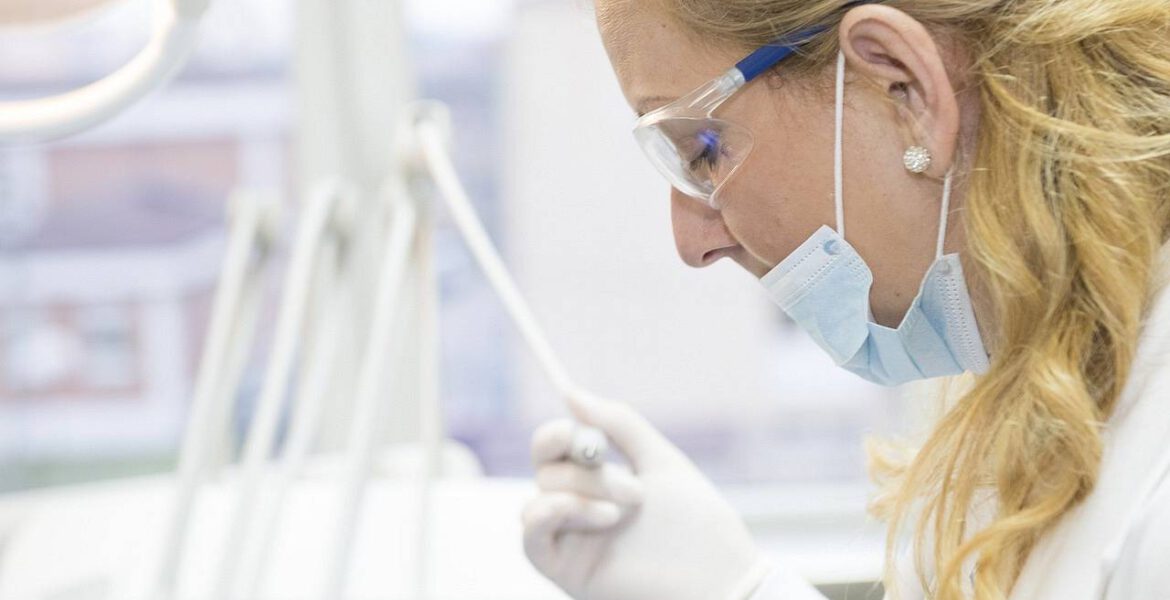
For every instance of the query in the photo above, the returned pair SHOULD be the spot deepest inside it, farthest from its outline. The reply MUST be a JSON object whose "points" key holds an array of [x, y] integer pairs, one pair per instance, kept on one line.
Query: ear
{"points": [[895, 51]]}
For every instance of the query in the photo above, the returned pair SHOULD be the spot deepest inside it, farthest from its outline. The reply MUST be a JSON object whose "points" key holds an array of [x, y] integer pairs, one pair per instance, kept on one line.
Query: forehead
{"points": [[653, 58]]}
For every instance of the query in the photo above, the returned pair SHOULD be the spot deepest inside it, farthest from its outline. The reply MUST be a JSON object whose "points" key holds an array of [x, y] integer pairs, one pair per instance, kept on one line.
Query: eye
{"points": [[709, 149]]}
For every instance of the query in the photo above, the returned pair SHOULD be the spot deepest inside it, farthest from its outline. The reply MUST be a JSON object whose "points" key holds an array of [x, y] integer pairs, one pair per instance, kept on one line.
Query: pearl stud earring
{"points": [[917, 159]]}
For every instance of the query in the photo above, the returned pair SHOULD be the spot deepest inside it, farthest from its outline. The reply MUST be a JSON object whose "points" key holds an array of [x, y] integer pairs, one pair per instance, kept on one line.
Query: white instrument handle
{"points": [[290, 327], [233, 321], [370, 404], [332, 290]]}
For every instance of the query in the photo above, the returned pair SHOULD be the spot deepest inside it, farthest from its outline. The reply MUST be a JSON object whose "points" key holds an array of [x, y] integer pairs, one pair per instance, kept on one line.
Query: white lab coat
{"points": [[1116, 544]]}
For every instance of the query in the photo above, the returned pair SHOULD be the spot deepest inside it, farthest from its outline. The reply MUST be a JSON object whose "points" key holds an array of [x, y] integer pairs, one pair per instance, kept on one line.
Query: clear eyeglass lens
{"points": [[696, 155]]}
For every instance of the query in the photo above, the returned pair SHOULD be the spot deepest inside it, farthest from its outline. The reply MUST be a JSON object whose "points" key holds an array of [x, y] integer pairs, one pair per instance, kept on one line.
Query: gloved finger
{"points": [[547, 515], [551, 442], [610, 482], [634, 436], [589, 447]]}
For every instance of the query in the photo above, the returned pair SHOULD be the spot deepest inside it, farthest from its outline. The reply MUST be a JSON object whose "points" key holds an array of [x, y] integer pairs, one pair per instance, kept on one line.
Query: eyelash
{"points": [[709, 140]]}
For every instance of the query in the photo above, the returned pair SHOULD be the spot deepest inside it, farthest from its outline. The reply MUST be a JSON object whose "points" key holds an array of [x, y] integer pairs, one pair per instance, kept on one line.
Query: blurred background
{"points": [[110, 244]]}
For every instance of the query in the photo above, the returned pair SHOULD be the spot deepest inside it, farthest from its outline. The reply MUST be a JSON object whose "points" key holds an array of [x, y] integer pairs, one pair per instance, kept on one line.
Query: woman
{"points": [[928, 187]]}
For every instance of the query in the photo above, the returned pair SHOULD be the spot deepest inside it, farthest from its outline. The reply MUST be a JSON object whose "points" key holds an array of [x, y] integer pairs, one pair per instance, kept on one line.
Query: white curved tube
{"points": [[430, 409], [369, 402], [262, 431], [332, 292], [589, 444], [54, 117], [459, 205], [230, 331]]}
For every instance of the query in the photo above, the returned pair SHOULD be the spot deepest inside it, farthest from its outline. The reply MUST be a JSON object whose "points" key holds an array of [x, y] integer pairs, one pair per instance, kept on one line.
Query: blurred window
{"points": [[109, 358]]}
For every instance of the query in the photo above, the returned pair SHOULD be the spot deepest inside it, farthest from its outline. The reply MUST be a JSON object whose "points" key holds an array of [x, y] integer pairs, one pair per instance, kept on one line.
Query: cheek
{"points": [[784, 190]]}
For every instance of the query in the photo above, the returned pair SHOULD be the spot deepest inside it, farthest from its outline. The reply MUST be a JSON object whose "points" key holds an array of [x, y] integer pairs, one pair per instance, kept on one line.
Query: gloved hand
{"points": [[658, 532]]}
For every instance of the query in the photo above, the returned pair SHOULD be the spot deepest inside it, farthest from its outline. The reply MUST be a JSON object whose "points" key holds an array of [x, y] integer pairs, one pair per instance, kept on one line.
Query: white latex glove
{"points": [[658, 532]]}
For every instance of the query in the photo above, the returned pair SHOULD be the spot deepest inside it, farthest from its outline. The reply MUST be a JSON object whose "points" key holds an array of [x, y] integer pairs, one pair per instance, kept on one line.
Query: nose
{"points": [[700, 234]]}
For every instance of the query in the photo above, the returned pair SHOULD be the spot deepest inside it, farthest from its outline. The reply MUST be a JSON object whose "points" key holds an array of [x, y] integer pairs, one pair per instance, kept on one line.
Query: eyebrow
{"points": [[643, 104]]}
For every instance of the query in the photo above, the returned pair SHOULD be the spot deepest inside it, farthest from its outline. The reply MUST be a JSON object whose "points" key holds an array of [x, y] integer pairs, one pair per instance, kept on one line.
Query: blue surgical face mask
{"points": [[824, 287]]}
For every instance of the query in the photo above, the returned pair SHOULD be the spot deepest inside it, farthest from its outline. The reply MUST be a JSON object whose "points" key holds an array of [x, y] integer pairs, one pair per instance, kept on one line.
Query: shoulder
{"points": [[1142, 567]]}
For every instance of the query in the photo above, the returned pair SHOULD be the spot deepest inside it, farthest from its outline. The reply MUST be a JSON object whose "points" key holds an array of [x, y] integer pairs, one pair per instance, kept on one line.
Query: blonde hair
{"points": [[1066, 209]]}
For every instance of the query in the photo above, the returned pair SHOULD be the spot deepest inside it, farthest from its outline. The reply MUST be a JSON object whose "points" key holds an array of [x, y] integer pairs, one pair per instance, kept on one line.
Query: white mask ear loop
{"points": [[838, 171], [838, 178], [942, 219]]}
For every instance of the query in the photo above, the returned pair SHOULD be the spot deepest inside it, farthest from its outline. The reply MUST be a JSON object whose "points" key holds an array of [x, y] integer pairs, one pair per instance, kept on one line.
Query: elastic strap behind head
{"points": [[838, 173]]}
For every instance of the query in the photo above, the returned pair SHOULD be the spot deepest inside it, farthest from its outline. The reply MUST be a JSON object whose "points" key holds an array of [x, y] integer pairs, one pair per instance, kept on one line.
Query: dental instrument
{"points": [[589, 444], [253, 223], [368, 409], [318, 222]]}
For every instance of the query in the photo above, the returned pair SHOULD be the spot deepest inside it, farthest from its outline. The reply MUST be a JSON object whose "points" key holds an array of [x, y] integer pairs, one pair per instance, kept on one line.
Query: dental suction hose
{"points": [[589, 444]]}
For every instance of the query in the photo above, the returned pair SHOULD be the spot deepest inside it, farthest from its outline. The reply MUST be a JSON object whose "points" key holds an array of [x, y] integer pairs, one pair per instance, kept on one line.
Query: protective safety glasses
{"points": [[694, 150]]}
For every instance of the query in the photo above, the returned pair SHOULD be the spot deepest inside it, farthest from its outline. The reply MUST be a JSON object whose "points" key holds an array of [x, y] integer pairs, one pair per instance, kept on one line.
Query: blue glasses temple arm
{"points": [[766, 57]]}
